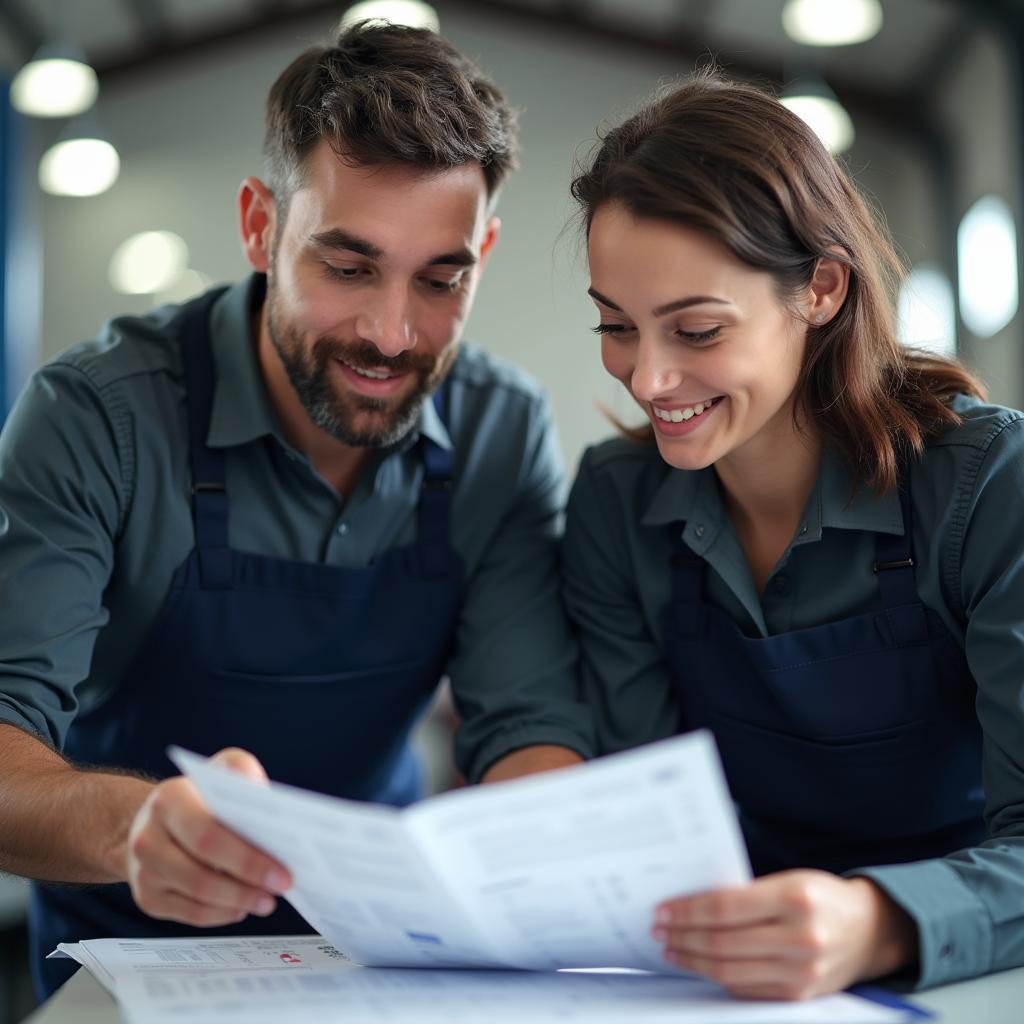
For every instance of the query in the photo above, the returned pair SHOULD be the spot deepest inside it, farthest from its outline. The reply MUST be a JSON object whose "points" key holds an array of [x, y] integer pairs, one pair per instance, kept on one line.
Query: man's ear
{"points": [[491, 234], [257, 218]]}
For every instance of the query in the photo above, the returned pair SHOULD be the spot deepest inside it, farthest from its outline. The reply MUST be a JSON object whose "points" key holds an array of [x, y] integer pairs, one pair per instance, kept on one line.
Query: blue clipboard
{"points": [[875, 994]]}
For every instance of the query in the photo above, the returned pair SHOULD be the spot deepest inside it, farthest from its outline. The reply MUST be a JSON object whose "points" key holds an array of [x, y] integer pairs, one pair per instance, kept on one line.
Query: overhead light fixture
{"points": [[986, 243], [927, 313], [831, 22], [413, 13], [815, 103], [148, 263], [56, 82], [80, 163]]}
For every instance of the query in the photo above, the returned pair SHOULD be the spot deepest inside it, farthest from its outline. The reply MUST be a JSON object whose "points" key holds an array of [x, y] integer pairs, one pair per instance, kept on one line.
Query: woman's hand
{"points": [[792, 935]]}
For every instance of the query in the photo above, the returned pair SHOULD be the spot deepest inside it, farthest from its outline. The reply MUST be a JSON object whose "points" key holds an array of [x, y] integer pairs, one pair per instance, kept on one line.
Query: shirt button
{"points": [[803, 530], [343, 528], [699, 530], [947, 951]]}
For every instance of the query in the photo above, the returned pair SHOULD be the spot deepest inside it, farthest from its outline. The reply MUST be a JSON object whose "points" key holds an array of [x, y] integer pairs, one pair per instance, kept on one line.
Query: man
{"points": [[245, 522]]}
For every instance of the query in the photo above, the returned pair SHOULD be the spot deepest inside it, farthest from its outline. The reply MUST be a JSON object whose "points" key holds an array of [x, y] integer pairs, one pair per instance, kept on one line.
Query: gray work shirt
{"points": [[95, 516], [967, 495]]}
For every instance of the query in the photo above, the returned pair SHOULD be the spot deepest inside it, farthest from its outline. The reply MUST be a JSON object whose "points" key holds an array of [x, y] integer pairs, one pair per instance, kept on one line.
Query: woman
{"points": [[817, 554]]}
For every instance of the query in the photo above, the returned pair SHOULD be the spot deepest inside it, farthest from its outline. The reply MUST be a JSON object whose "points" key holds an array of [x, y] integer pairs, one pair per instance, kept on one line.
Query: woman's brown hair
{"points": [[730, 160]]}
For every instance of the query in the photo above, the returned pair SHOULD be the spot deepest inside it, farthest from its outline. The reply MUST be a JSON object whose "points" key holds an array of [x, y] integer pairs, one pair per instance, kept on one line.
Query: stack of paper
{"points": [[555, 871], [303, 980]]}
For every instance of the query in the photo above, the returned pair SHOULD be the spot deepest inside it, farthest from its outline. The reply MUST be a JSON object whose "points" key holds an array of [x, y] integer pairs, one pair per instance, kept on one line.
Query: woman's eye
{"points": [[699, 337], [610, 329]]}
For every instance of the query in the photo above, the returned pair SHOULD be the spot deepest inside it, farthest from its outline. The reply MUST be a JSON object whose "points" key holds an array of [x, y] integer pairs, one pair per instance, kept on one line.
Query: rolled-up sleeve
{"points": [[514, 670], [61, 499], [969, 906]]}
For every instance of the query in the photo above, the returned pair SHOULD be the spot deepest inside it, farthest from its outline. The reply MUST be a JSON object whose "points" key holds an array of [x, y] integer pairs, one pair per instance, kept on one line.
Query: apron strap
{"points": [[687, 573], [894, 554], [209, 475], [434, 511]]}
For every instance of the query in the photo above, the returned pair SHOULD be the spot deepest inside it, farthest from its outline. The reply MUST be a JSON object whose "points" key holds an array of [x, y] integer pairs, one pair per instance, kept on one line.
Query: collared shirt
{"points": [[95, 516], [966, 494]]}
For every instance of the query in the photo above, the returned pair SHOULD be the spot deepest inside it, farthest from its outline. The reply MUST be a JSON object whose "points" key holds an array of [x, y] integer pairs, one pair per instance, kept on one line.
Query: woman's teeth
{"points": [[686, 413]]}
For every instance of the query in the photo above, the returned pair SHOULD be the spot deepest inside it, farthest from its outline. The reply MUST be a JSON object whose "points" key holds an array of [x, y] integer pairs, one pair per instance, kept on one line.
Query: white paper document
{"points": [[562, 869], [114, 961], [304, 980]]}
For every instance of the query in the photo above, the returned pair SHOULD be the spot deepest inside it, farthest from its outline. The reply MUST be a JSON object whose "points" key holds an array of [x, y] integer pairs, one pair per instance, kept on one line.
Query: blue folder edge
{"points": [[875, 994]]}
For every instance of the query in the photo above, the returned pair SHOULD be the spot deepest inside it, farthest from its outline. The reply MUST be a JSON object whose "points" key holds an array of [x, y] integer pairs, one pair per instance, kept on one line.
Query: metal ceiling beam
{"points": [[151, 17], [685, 48], [23, 27]]}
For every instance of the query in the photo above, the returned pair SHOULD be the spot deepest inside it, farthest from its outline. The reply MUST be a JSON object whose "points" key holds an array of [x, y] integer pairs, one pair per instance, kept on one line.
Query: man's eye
{"points": [[342, 273], [444, 287]]}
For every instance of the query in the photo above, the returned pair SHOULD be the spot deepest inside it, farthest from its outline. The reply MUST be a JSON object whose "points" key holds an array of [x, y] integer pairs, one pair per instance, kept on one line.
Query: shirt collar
{"points": [[838, 501], [241, 407]]}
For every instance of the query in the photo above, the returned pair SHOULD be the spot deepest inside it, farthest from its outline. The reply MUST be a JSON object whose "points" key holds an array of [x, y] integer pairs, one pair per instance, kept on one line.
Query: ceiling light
{"points": [[148, 262], [927, 316], [986, 243], [79, 167], [816, 104], [57, 82], [397, 12], [831, 22]]}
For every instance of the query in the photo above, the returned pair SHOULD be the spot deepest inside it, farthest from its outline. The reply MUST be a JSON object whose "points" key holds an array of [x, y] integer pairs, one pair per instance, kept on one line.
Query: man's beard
{"points": [[337, 412]]}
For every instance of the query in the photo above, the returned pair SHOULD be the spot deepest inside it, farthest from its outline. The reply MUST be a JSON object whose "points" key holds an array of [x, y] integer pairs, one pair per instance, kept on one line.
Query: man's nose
{"points": [[386, 321]]}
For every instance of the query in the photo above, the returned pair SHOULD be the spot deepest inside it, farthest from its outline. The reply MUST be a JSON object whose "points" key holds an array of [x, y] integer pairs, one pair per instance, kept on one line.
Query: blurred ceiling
{"points": [[892, 71]]}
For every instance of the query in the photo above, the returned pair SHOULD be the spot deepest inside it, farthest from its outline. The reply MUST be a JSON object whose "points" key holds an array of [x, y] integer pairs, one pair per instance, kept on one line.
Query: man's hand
{"points": [[183, 865], [792, 935]]}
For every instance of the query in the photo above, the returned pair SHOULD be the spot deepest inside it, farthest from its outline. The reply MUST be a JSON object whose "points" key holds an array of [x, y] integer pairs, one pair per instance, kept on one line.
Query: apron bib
{"points": [[320, 671], [849, 744]]}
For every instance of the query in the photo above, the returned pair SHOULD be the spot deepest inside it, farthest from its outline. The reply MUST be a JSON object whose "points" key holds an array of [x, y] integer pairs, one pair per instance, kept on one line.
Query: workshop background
{"points": [[130, 202]]}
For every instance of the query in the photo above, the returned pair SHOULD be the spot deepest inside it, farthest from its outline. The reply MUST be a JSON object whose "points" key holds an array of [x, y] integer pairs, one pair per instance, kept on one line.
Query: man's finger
{"points": [[174, 870], [191, 825], [240, 761], [173, 906]]}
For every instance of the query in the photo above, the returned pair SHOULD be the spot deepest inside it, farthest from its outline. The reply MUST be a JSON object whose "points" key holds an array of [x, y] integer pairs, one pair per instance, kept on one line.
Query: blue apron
{"points": [[319, 671], [847, 744]]}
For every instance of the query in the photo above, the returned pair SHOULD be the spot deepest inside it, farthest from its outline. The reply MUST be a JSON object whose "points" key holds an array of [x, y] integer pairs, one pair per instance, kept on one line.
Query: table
{"points": [[996, 999]]}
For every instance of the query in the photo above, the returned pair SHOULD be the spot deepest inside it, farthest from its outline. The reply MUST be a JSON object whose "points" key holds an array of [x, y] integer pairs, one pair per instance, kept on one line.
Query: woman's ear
{"points": [[827, 290]]}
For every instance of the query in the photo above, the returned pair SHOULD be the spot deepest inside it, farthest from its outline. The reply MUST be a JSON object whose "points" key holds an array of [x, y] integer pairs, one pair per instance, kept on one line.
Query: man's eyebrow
{"points": [[338, 239], [669, 307], [461, 258], [335, 238]]}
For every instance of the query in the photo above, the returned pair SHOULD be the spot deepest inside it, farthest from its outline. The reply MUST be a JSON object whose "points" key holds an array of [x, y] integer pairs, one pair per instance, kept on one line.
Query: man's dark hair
{"points": [[387, 94]]}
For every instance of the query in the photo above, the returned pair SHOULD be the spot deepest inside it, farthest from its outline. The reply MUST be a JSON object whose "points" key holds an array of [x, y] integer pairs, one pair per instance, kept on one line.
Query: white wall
{"points": [[188, 132]]}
